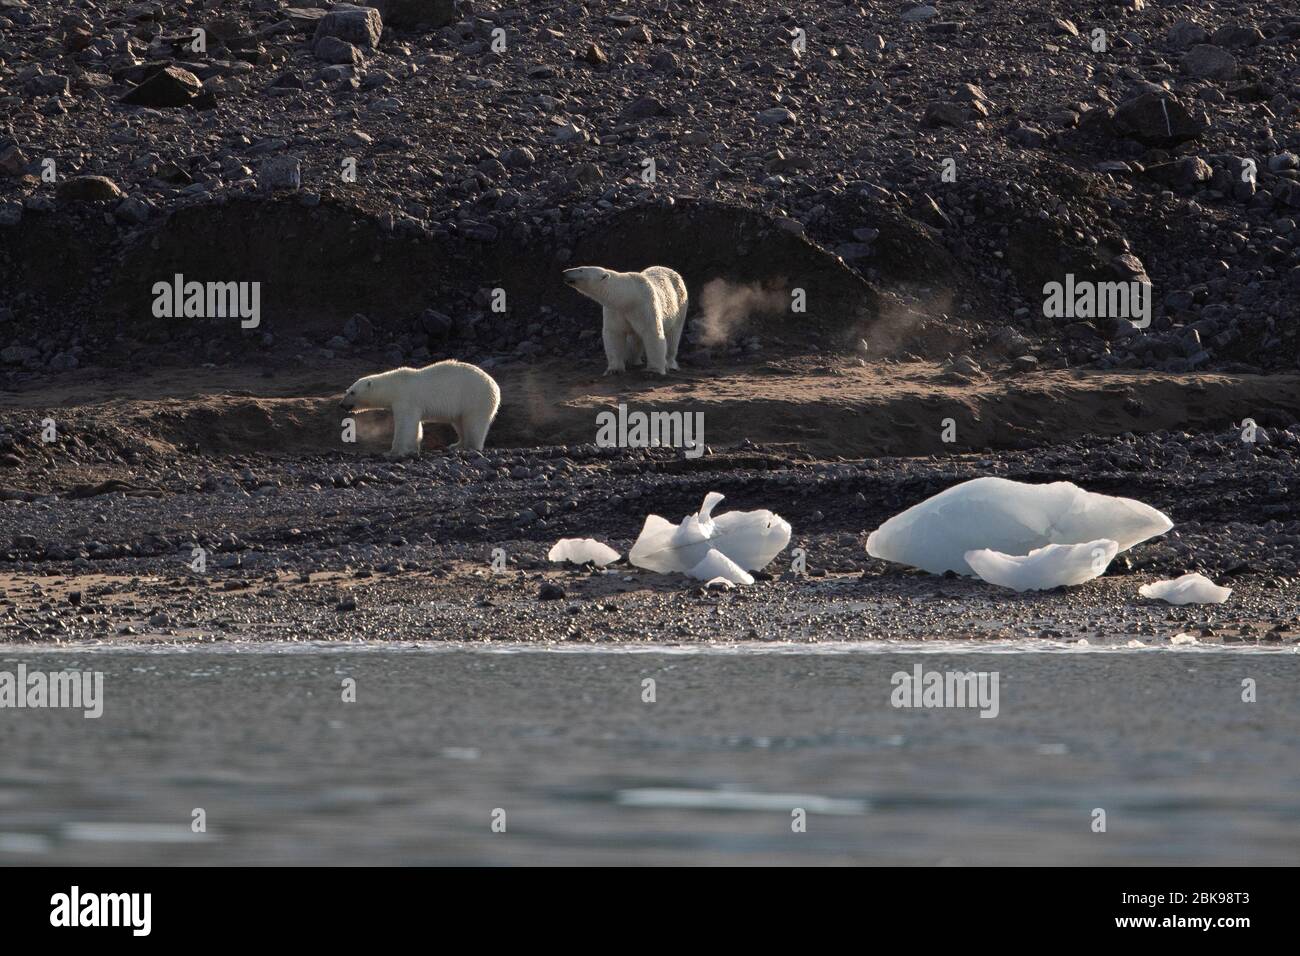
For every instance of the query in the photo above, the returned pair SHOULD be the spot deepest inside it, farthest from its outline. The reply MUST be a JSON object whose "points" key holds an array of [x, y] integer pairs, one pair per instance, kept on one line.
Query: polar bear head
{"points": [[591, 281], [365, 393]]}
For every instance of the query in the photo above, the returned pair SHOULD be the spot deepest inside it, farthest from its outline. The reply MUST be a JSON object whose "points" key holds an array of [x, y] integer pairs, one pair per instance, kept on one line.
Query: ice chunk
{"points": [[1189, 589], [750, 539], [581, 551], [1012, 517], [1046, 567], [717, 566]]}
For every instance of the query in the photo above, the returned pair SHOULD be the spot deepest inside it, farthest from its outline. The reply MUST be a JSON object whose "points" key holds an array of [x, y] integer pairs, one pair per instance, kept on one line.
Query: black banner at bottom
{"points": [[337, 905]]}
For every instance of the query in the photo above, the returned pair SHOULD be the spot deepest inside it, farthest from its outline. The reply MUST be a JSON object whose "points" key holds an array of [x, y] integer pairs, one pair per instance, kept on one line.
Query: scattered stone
{"points": [[918, 14], [331, 49], [777, 116], [1209, 63]]}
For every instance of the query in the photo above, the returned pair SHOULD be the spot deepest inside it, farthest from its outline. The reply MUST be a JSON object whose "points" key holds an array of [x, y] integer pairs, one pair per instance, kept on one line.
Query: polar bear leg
{"points": [[656, 346], [615, 336], [473, 431], [408, 430], [635, 349], [458, 424], [675, 337]]}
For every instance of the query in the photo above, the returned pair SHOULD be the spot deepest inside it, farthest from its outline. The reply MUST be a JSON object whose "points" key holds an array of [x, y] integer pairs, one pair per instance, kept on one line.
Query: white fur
{"points": [[644, 313], [453, 393]]}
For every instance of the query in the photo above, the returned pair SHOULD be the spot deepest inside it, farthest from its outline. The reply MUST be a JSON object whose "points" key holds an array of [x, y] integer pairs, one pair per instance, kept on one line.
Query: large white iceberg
{"points": [[716, 566], [1012, 517], [1189, 589], [1048, 567], [582, 551], [750, 539]]}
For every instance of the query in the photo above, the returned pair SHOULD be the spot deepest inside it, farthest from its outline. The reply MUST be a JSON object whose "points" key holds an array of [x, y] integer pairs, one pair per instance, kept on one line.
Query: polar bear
{"points": [[644, 313], [454, 393]]}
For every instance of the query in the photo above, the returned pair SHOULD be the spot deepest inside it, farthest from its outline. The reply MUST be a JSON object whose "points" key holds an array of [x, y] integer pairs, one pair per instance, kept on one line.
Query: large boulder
{"points": [[1158, 119], [361, 26], [169, 86]]}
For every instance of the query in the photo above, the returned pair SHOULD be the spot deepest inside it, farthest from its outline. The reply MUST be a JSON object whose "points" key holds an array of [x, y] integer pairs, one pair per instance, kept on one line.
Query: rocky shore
{"points": [[954, 156], [404, 182], [336, 548]]}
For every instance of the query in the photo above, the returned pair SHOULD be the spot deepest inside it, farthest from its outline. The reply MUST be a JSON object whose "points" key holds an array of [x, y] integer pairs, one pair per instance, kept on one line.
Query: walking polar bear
{"points": [[454, 393], [644, 313]]}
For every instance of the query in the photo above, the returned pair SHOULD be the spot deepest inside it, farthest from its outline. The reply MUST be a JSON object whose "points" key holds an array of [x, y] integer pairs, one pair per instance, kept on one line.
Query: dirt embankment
{"points": [[825, 407]]}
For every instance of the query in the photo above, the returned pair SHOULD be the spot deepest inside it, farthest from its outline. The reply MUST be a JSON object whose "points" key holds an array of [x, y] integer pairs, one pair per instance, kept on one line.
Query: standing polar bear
{"points": [[644, 313], [454, 393]]}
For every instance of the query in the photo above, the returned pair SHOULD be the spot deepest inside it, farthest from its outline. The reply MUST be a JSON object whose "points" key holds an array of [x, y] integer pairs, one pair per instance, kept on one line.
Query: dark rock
{"points": [[436, 324], [416, 14], [331, 49], [358, 330], [279, 172], [1209, 63], [88, 189], [1156, 119], [168, 87], [362, 26]]}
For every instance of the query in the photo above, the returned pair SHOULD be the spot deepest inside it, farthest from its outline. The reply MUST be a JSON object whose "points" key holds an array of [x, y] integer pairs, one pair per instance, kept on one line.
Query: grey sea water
{"points": [[560, 746]]}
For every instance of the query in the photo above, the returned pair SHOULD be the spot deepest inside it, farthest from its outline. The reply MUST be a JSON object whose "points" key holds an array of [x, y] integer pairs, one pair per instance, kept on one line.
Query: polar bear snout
{"points": [[584, 278]]}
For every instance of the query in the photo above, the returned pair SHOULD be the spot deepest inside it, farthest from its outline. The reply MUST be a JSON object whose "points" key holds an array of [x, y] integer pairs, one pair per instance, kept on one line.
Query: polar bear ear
{"points": [[604, 276]]}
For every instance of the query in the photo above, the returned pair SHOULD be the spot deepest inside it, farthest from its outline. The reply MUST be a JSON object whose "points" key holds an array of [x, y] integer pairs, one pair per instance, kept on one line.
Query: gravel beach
{"points": [[405, 181]]}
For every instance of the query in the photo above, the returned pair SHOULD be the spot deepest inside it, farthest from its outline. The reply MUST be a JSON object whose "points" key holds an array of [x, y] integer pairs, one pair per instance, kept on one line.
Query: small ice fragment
{"points": [[717, 566], [1049, 567], [1183, 638], [1189, 589], [750, 539], [1135, 644], [685, 799], [1012, 517], [582, 551]]}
